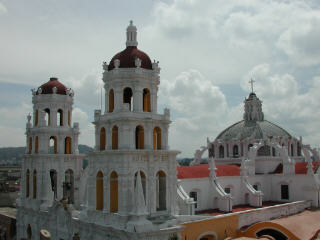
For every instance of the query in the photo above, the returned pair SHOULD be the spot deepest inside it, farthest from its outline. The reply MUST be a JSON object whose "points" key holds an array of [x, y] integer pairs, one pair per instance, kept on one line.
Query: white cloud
{"points": [[86, 128], [3, 9]]}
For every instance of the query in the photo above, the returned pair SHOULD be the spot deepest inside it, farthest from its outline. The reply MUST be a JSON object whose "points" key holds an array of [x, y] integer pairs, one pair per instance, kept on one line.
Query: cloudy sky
{"points": [[208, 51]]}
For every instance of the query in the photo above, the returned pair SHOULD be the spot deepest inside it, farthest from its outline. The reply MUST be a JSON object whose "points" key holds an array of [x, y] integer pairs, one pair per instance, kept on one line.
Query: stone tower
{"points": [[132, 173], [51, 164]]}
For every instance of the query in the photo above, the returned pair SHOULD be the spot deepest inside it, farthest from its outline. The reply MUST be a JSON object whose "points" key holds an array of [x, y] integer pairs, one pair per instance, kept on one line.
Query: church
{"points": [[133, 187]]}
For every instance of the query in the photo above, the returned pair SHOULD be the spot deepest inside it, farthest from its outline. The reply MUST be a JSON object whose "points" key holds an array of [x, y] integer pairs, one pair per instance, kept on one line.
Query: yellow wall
{"points": [[222, 226]]}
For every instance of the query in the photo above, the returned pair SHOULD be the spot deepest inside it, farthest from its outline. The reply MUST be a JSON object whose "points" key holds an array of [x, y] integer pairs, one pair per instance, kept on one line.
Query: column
{"points": [[165, 138], [106, 193], [148, 136], [106, 99], [97, 137], [154, 99], [225, 145], [108, 136], [118, 101], [53, 117], [137, 99]]}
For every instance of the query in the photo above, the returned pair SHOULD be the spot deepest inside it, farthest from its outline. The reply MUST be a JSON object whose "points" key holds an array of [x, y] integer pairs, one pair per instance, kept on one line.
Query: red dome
{"points": [[53, 82], [128, 56]]}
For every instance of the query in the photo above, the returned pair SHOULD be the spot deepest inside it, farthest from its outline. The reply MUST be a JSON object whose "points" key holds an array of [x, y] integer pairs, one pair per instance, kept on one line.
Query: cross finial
{"points": [[251, 82]]}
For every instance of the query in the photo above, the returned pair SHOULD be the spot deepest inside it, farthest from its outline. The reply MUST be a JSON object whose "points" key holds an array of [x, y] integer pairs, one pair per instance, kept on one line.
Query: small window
{"points": [[255, 187], [227, 190], [285, 192], [194, 195]]}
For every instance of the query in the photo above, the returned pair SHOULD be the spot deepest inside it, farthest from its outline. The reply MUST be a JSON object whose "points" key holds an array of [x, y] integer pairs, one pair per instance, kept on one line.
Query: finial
{"points": [[251, 82], [131, 22], [131, 35]]}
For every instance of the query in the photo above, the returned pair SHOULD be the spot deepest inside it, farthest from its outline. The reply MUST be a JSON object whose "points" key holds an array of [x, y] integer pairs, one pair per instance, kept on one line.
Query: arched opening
{"points": [[67, 145], [221, 151], [34, 184], [292, 153], [161, 191], [113, 192], [143, 181], [157, 138], [284, 192], [53, 178], [139, 137], [273, 233], [127, 97], [47, 116], [115, 137], [208, 237], [69, 118], [27, 183], [235, 151], [228, 189], [146, 100], [68, 186], [249, 146], [194, 195], [299, 149], [53, 145], [36, 118], [111, 100], [264, 151], [36, 145], [30, 145], [60, 117], [29, 232], [99, 191], [102, 139]]}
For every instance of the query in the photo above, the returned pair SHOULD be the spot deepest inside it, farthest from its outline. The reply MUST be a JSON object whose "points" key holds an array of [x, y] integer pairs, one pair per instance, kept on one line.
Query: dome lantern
{"points": [[131, 35]]}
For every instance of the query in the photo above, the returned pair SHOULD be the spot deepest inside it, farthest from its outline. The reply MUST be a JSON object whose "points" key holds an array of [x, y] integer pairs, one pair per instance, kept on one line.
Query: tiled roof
{"points": [[202, 171]]}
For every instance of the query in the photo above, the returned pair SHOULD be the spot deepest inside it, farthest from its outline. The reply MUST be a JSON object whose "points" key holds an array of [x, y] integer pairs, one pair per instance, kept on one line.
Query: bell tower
{"points": [[52, 162], [132, 173]]}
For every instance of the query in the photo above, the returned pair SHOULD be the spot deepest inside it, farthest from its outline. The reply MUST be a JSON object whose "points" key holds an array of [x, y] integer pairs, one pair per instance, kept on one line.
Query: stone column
{"points": [[118, 101], [148, 136], [154, 99], [106, 193], [108, 136], [138, 99], [106, 99], [225, 149], [97, 137]]}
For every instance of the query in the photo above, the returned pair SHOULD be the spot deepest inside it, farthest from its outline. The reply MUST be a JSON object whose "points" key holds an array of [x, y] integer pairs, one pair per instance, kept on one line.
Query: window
{"points": [[36, 145], [115, 137], [227, 190], [255, 187], [67, 146], [127, 97], [53, 178], [111, 100], [143, 181], [139, 137], [157, 138], [161, 191], [264, 151], [235, 151], [47, 116], [69, 118], [53, 145], [221, 151], [114, 192], [30, 145], [102, 139], [146, 100], [34, 184], [99, 191], [60, 117], [68, 186], [27, 183], [194, 195], [36, 118], [285, 192]]}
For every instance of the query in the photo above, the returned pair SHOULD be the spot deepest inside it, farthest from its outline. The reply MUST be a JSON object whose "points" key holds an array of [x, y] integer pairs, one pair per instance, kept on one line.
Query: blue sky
{"points": [[208, 51]]}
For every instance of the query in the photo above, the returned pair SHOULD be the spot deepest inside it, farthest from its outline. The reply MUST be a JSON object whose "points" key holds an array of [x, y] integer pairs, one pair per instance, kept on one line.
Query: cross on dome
{"points": [[251, 82]]}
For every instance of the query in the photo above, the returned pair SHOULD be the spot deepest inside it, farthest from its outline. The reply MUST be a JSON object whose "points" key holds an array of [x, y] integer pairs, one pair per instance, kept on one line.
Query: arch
{"points": [[36, 117], [68, 186], [298, 149], [54, 182], [209, 235], [67, 145], [99, 191], [264, 150], [47, 116], [275, 233], [235, 151], [115, 137], [139, 137], [161, 191], [60, 117], [102, 139], [36, 145], [127, 97], [34, 184], [157, 138], [111, 100], [143, 181], [53, 147], [69, 118], [27, 183], [146, 100], [221, 151], [29, 232], [30, 145], [114, 198]]}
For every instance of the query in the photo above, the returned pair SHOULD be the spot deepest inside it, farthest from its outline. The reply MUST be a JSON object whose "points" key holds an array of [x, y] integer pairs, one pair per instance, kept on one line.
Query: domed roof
{"points": [[128, 56], [252, 129], [47, 88]]}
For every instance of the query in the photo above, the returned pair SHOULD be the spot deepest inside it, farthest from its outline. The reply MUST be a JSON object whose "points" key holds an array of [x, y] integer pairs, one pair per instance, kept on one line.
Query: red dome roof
{"points": [[128, 56], [53, 82]]}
